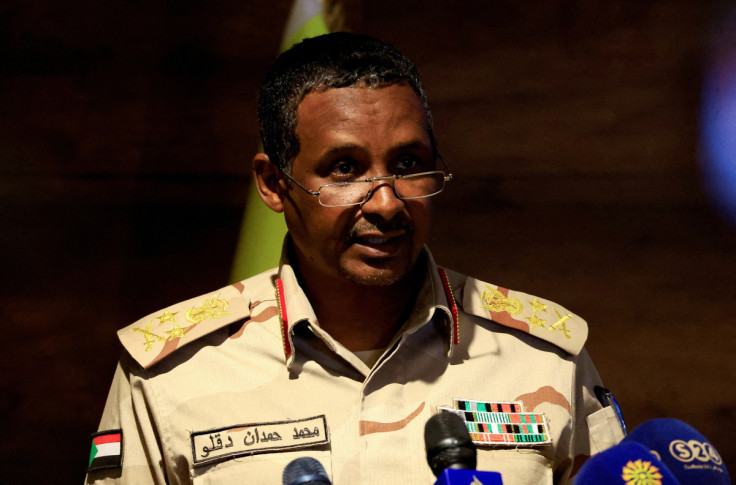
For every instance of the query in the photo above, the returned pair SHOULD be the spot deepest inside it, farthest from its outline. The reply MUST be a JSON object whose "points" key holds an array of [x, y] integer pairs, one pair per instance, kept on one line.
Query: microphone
{"points": [[448, 443], [305, 471], [625, 463], [686, 452], [451, 453]]}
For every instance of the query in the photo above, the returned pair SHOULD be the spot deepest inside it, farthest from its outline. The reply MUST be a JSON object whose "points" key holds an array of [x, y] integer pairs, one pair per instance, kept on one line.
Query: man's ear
{"points": [[269, 182]]}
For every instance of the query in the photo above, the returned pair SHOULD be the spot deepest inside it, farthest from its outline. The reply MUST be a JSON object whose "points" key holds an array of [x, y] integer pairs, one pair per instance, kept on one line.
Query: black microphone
{"points": [[451, 453], [448, 443], [305, 471]]}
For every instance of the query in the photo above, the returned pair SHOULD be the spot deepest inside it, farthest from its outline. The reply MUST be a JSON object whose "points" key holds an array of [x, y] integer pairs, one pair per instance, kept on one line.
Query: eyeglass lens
{"points": [[409, 187]]}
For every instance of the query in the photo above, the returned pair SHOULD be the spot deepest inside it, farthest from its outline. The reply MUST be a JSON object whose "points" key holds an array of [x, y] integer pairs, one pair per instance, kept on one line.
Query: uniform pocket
{"points": [[605, 430], [517, 466]]}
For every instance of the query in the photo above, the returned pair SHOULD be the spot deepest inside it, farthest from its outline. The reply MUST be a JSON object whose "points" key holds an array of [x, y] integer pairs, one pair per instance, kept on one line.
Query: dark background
{"points": [[127, 129]]}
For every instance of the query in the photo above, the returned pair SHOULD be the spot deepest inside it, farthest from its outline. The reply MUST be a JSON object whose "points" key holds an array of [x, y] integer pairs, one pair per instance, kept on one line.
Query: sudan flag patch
{"points": [[107, 450]]}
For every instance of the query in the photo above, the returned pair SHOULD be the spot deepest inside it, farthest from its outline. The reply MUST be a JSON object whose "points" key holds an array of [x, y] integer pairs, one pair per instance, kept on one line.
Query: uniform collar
{"points": [[434, 301]]}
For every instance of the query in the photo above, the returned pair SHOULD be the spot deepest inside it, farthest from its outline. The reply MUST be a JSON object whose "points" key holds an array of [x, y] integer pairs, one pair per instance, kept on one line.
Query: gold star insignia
{"points": [[536, 321], [176, 332], [166, 317], [539, 306]]}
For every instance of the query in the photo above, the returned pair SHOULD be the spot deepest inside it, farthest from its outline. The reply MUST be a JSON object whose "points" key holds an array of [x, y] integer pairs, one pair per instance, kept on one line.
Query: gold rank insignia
{"points": [[150, 337], [496, 301], [541, 318], [165, 331], [212, 307]]}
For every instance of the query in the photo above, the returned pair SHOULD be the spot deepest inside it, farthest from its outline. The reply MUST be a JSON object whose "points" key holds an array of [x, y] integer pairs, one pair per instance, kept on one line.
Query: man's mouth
{"points": [[380, 246], [380, 241], [376, 239]]}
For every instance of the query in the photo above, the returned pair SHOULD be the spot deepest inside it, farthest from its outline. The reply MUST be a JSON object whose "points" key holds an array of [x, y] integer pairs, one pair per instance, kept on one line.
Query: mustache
{"points": [[396, 224]]}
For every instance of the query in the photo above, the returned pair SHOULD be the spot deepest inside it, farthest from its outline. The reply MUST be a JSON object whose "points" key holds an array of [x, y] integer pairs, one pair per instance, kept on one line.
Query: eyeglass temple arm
{"points": [[312, 192], [449, 174]]}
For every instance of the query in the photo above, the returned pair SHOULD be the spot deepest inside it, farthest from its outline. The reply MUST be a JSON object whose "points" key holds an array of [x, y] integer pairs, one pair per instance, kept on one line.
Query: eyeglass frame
{"points": [[447, 178]]}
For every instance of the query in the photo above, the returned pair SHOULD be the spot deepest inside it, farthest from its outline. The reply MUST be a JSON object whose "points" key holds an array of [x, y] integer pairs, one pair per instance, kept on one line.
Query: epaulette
{"points": [[541, 318], [152, 338]]}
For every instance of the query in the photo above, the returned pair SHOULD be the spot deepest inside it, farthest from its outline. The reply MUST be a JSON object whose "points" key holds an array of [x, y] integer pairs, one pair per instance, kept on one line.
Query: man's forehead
{"points": [[352, 102], [367, 83], [363, 118], [362, 87]]}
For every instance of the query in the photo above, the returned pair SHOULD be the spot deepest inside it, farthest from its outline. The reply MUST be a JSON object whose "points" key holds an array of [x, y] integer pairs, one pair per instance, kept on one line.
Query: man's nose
{"points": [[383, 201]]}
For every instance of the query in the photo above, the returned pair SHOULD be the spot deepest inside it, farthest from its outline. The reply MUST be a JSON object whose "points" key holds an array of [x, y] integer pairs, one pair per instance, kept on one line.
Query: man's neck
{"points": [[360, 316]]}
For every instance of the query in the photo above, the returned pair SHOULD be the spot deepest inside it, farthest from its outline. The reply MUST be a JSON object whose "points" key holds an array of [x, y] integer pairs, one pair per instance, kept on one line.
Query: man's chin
{"points": [[375, 275]]}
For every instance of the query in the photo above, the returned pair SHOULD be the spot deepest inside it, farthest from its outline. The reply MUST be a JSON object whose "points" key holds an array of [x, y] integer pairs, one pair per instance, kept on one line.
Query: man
{"points": [[345, 350]]}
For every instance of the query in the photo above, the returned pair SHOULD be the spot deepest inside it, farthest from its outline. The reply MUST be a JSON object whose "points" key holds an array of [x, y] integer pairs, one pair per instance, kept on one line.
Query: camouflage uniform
{"points": [[231, 386]]}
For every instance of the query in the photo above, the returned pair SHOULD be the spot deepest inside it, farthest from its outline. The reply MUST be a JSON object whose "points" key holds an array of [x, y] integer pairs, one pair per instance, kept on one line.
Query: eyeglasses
{"points": [[356, 192]]}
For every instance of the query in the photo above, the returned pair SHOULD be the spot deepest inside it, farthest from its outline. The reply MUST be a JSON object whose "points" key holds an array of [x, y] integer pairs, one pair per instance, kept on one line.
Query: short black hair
{"points": [[336, 60]]}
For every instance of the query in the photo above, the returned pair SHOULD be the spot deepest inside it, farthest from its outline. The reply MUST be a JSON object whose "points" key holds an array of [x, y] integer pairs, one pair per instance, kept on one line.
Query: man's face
{"points": [[349, 134]]}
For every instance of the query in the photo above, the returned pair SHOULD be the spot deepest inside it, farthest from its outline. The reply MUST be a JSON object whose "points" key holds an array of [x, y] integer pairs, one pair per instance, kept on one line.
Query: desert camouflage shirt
{"points": [[231, 386]]}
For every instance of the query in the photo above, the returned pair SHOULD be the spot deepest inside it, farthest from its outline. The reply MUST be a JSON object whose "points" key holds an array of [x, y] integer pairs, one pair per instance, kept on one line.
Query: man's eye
{"points": [[343, 168], [408, 164]]}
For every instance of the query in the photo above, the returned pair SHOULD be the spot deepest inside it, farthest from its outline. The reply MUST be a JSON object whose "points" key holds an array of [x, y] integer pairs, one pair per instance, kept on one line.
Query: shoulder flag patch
{"points": [[107, 450]]}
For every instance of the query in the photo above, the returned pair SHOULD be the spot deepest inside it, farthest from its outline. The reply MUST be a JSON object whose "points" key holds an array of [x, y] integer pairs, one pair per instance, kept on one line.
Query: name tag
{"points": [[255, 438]]}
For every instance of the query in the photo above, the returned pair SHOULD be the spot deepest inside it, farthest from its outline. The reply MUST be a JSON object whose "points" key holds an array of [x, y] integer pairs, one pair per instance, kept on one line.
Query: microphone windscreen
{"points": [[448, 443], [625, 463], [685, 451], [305, 471]]}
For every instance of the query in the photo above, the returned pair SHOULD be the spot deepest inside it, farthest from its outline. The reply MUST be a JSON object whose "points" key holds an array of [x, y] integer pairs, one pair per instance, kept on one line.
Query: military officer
{"points": [[343, 351]]}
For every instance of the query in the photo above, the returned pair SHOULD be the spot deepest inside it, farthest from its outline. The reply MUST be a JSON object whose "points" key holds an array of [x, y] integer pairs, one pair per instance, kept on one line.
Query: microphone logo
{"points": [[687, 451], [641, 472]]}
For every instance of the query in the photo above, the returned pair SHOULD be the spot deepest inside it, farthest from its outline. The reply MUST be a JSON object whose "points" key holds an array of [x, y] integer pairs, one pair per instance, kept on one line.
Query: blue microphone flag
{"points": [[450, 476]]}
